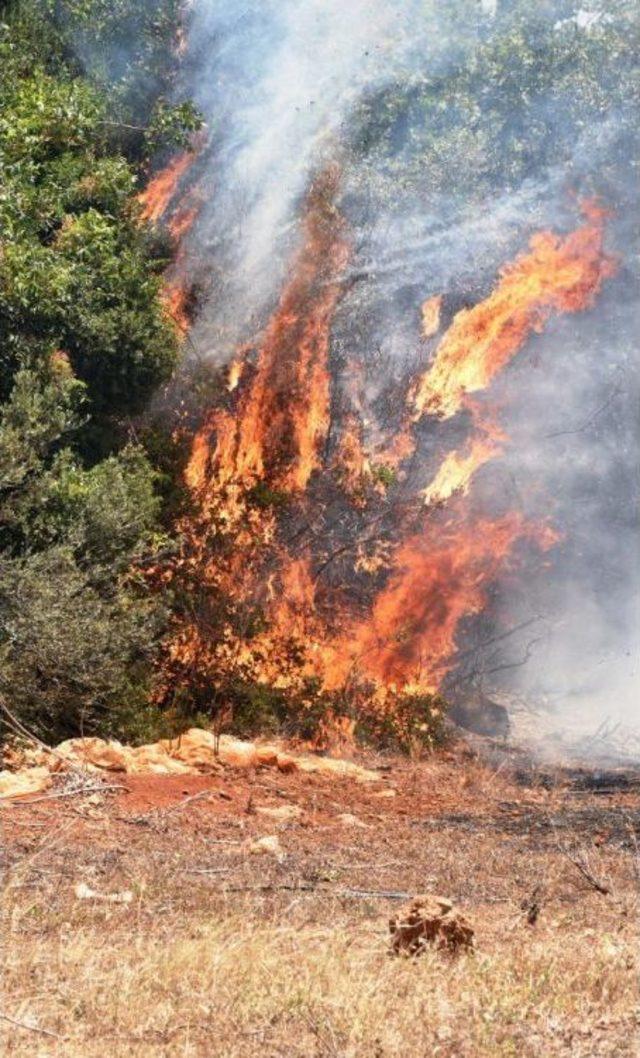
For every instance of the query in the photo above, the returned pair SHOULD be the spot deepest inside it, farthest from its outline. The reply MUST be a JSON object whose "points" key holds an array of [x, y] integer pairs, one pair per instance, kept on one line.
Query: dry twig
{"points": [[81, 790], [30, 1028]]}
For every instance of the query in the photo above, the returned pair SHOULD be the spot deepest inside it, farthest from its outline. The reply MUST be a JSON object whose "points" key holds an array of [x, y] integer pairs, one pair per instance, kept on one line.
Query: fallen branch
{"points": [[207, 870], [187, 800], [587, 874], [30, 1028], [65, 793], [385, 894], [11, 721]]}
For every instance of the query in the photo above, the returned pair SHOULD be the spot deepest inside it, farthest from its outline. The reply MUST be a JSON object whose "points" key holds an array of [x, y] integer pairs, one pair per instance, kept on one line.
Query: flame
{"points": [[183, 220], [311, 556], [456, 471], [410, 637], [176, 297], [235, 371], [431, 310], [561, 275], [351, 461], [161, 189], [283, 415]]}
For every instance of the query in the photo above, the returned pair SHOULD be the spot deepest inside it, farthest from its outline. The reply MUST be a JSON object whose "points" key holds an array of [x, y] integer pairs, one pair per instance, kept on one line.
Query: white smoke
{"points": [[280, 78]]}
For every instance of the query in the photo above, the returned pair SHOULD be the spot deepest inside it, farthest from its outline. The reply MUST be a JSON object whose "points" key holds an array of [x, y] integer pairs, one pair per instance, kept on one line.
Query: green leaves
{"points": [[508, 105], [75, 631], [38, 416], [84, 342]]}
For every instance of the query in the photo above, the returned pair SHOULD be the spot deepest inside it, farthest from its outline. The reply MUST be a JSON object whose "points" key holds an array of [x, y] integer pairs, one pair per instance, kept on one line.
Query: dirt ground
{"points": [[247, 913]]}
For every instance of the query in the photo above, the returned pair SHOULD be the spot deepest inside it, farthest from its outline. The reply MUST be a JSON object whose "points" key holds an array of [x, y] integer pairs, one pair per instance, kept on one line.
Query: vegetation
{"points": [[84, 343], [87, 489], [507, 101], [223, 951]]}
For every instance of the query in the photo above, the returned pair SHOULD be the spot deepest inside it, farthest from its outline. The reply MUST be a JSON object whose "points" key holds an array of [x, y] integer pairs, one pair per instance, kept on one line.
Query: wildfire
{"points": [[431, 310], [561, 275], [410, 636], [282, 417], [155, 201], [183, 220], [161, 189], [235, 371], [457, 470], [175, 297], [319, 559]]}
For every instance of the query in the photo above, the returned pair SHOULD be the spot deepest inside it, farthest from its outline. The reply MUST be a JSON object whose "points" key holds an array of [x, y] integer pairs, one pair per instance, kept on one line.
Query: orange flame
{"points": [[283, 415], [410, 636], [562, 275], [161, 189], [457, 470], [176, 297], [431, 310], [182, 221], [253, 476]]}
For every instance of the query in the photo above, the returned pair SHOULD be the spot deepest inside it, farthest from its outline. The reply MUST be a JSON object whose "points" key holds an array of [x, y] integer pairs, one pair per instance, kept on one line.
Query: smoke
{"points": [[276, 79], [445, 177]]}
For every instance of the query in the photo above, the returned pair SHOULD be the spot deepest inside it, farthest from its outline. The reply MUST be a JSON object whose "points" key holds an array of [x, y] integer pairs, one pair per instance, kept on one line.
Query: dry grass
{"points": [[235, 987], [187, 969]]}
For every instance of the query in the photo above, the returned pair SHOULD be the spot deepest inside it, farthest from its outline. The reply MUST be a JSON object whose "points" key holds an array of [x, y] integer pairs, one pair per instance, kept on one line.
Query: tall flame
{"points": [[457, 469], [561, 275], [437, 580], [162, 188], [282, 418], [314, 558]]}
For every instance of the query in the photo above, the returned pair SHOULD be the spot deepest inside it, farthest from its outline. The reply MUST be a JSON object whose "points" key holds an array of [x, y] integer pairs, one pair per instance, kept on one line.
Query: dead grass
{"points": [[235, 987], [189, 968]]}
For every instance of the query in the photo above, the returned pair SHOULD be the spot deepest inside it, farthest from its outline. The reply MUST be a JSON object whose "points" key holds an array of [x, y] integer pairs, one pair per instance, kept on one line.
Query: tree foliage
{"points": [[84, 343], [505, 100]]}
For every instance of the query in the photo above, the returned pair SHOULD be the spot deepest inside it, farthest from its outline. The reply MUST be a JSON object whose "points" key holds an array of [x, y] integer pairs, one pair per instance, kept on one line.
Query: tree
{"points": [[77, 627]]}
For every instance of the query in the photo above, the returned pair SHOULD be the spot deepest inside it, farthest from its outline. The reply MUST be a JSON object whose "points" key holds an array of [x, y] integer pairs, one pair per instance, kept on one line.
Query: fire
{"points": [[457, 470], [235, 371], [314, 557], [183, 220], [282, 416], [161, 189], [557, 275], [175, 297], [155, 200], [437, 580], [351, 459], [431, 310]]}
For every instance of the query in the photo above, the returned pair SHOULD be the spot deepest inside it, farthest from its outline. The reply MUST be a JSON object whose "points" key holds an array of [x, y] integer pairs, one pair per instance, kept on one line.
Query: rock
{"points": [[84, 892], [349, 820], [476, 712], [31, 780], [268, 845], [281, 813], [429, 920]]}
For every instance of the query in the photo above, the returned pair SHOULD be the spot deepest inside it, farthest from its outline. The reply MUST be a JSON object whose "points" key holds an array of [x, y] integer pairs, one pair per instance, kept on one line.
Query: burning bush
{"points": [[316, 582]]}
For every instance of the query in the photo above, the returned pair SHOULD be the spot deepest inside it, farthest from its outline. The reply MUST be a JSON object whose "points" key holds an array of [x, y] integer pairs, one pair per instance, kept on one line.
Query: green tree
{"points": [[77, 627], [84, 342]]}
